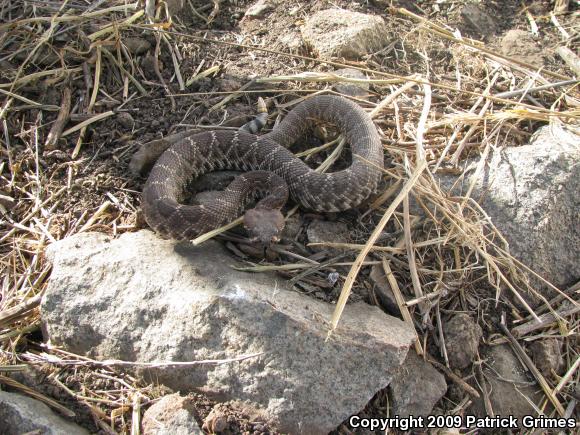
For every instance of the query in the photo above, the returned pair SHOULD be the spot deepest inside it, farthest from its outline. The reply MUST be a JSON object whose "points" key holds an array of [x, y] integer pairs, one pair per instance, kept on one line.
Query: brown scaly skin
{"points": [[272, 166]]}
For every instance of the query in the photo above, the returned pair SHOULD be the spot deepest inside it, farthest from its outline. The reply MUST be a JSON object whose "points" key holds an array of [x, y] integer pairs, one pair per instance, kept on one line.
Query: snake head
{"points": [[264, 225]]}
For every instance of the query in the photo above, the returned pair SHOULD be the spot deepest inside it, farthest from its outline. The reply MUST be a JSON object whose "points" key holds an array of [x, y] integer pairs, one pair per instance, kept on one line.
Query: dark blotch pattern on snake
{"points": [[274, 170]]}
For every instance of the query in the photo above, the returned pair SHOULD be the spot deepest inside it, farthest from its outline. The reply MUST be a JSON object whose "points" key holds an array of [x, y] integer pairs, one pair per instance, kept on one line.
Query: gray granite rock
{"points": [[343, 33], [530, 193], [479, 20], [259, 9], [521, 45], [359, 90], [140, 298], [320, 231], [292, 227], [510, 389], [172, 415], [21, 414], [416, 388]]}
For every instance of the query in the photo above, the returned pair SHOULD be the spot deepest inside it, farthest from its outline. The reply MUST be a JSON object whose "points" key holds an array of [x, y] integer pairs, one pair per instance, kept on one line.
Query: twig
{"points": [[231, 96], [215, 11], [32, 393], [441, 335], [457, 128], [206, 73], [294, 266], [29, 101], [213, 233], [371, 241], [561, 6], [358, 247], [493, 54], [367, 70], [567, 376], [103, 208], [545, 320], [412, 262], [116, 26], [571, 59], [509, 94], [454, 378], [565, 34], [175, 63], [133, 80], [154, 364], [532, 367], [472, 129], [486, 399], [38, 75], [401, 304], [158, 72], [136, 414], [326, 77], [88, 122], [10, 314], [533, 25], [55, 132], [430, 296]]}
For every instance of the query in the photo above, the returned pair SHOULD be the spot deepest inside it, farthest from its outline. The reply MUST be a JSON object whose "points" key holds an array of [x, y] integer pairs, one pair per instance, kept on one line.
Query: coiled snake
{"points": [[274, 171]]}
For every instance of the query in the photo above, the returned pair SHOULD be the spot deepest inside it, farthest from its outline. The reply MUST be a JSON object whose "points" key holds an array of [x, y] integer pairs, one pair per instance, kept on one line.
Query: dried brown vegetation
{"points": [[72, 82]]}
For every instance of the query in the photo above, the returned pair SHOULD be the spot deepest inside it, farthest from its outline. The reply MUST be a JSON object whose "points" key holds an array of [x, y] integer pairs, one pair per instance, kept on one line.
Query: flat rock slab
{"points": [[140, 298], [416, 388], [342, 33], [21, 414], [511, 390]]}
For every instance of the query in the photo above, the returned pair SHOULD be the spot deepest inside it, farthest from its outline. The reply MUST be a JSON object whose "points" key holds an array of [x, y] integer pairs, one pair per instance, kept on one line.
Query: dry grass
{"points": [[427, 125]]}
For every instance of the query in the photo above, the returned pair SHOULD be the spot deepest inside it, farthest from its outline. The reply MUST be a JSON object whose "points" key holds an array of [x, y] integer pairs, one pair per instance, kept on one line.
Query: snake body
{"points": [[275, 170]]}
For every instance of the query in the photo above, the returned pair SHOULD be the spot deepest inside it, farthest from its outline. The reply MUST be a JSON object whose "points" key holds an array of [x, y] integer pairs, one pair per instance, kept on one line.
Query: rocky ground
{"points": [[106, 328]]}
